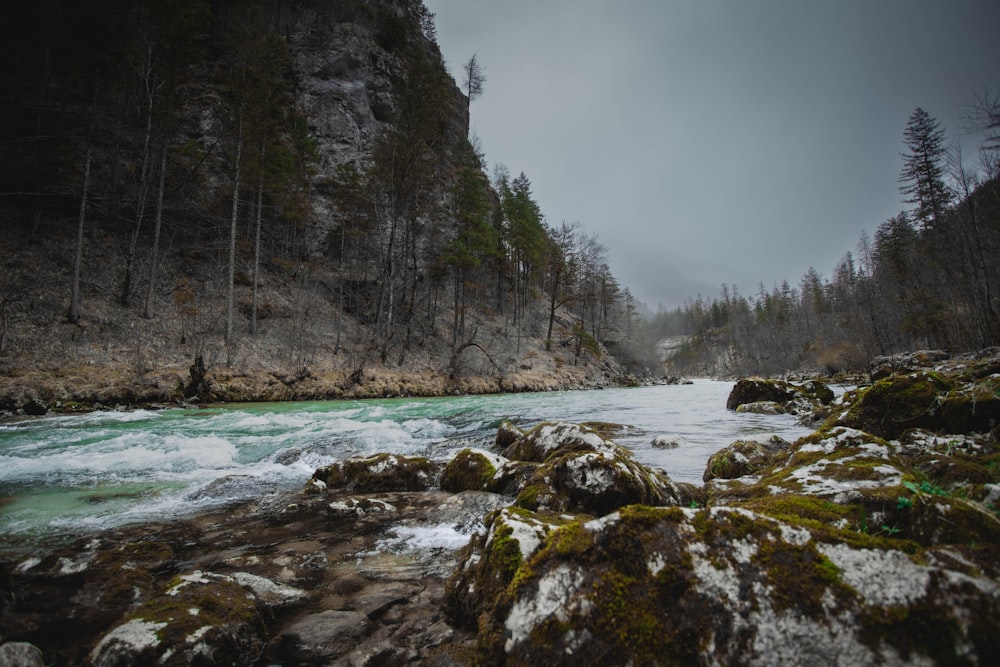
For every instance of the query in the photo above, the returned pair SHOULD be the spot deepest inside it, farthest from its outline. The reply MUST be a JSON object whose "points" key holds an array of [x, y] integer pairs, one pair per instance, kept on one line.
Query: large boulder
{"points": [[201, 618], [575, 469], [729, 586], [768, 395], [550, 439], [596, 482], [928, 400], [379, 473], [742, 457]]}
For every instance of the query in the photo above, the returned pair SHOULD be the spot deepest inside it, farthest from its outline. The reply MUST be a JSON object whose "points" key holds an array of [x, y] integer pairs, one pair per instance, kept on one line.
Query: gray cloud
{"points": [[716, 141]]}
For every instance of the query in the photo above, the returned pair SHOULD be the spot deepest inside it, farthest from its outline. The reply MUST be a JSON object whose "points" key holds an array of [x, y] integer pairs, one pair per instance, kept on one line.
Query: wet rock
{"points": [[511, 477], [21, 654], [488, 565], [507, 434], [755, 390], [667, 442], [470, 470], [321, 637], [762, 394], [595, 482], [743, 457], [761, 408], [578, 470], [358, 507], [380, 473]]}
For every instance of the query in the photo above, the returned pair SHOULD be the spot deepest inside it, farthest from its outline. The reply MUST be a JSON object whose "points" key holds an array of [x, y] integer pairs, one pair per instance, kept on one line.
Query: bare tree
{"points": [[74, 303], [154, 262]]}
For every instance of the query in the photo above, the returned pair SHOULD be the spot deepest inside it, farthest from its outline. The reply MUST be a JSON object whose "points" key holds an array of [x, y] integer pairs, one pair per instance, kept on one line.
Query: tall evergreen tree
{"points": [[922, 178]]}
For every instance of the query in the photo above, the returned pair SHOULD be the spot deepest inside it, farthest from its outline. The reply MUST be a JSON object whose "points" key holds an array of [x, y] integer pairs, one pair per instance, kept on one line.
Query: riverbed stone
{"points": [[201, 617], [380, 473], [470, 470], [740, 458], [553, 438], [323, 636], [21, 654]]}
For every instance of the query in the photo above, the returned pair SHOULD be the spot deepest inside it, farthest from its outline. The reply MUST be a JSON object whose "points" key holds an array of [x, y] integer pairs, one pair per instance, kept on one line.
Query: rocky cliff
{"points": [[283, 190]]}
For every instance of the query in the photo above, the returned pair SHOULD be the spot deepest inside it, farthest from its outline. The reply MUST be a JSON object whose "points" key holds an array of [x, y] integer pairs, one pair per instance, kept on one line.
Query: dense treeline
{"points": [[928, 278], [172, 135]]}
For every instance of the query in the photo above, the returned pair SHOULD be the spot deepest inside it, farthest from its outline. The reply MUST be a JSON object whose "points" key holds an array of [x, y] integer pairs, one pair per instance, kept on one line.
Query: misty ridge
{"points": [[242, 188]]}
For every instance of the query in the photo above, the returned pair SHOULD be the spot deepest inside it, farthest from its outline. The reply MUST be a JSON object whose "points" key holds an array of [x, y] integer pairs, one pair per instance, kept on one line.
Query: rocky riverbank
{"points": [[85, 388], [876, 540]]}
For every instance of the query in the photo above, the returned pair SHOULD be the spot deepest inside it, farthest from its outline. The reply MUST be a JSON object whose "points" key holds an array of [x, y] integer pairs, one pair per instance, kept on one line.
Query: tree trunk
{"points": [[256, 243], [232, 232], [154, 263], [74, 304]]}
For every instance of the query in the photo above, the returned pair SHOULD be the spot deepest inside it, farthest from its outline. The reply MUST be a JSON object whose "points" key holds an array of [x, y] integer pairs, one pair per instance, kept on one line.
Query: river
{"points": [[67, 475]]}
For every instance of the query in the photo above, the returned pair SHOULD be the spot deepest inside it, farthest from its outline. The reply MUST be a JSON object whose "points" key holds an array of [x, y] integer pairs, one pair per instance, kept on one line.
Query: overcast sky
{"points": [[717, 141]]}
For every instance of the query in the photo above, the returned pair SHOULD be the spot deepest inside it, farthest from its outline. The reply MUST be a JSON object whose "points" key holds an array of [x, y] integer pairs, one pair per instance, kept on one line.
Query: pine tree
{"points": [[922, 178]]}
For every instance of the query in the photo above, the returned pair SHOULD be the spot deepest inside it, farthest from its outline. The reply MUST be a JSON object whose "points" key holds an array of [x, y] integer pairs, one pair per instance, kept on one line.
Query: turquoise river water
{"points": [[66, 475]]}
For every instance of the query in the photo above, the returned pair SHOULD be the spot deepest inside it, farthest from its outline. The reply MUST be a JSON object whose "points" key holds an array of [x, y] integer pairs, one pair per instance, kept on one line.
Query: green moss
{"points": [[831, 523], [607, 430], [896, 403], [528, 498], [219, 604], [925, 628], [468, 471], [800, 577]]}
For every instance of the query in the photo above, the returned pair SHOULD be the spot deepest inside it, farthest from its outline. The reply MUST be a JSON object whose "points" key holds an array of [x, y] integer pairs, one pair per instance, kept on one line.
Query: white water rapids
{"points": [[65, 475]]}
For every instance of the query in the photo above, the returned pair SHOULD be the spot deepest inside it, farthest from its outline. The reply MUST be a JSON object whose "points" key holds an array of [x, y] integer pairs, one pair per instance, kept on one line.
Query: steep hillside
{"points": [[282, 192]]}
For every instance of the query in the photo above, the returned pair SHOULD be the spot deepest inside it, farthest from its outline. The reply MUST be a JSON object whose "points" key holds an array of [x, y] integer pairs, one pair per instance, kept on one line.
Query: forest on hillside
{"points": [[929, 278], [174, 174]]}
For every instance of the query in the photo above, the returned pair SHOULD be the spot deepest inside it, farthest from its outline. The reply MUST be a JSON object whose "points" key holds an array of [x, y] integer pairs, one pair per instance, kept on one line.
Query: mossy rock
{"points": [[761, 408], [650, 586], [380, 473], [202, 618], [470, 470], [817, 391], [550, 439], [897, 403], [755, 390], [743, 457], [511, 477], [808, 397], [492, 559], [507, 435], [596, 483]]}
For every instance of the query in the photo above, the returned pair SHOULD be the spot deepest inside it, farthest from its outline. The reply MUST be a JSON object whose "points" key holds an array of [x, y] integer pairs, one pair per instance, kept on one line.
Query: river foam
{"points": [[70, 473]]}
